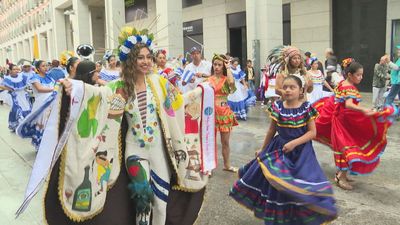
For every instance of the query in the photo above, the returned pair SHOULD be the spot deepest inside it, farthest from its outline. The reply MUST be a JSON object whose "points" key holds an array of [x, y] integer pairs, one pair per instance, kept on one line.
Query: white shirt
{"points": [[204, 68]]}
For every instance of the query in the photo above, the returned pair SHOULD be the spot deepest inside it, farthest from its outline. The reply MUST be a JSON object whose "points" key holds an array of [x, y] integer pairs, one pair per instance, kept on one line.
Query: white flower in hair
{"points": [[152, 45], [129, 37], [132, 39], [124, 49], [144, 39]]}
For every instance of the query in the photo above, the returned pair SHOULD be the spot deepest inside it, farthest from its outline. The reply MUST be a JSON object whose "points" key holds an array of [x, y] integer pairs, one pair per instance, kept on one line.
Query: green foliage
{"points": [[129, 3]]}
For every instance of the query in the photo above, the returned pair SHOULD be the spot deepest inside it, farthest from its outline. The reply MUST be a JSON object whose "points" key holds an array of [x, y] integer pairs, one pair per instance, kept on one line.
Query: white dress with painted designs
{"points": [[147, 152]]}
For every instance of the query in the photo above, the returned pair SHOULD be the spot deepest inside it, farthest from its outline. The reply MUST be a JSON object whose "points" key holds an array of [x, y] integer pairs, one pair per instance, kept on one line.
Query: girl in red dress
{"points": [[356, 134]]}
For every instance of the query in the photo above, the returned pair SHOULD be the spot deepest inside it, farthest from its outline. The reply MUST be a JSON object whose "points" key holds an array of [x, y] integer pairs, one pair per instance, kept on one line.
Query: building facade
{"points": [[25, 24], [362, 29], [44, 28]]}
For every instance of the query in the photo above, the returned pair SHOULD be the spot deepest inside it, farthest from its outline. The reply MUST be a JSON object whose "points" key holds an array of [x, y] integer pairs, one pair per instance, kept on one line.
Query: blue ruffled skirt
{"points": [[286, 189]]}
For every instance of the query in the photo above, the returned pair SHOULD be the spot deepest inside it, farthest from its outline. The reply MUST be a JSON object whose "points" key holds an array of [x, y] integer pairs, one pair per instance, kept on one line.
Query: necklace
{"points": [[144, 134]]}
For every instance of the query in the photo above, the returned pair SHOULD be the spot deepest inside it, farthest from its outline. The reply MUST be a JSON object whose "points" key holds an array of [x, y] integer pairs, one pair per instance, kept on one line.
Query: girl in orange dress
{"points": [[224, 84], [356, 134]]}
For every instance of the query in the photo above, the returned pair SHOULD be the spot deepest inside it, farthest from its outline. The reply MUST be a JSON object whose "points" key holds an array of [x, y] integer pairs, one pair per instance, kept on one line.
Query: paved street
{"points": [[375, 200]]}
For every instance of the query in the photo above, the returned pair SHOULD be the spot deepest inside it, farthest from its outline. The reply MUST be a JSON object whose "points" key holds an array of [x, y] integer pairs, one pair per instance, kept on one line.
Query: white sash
{"points": [[208, 134], [51, 146]]}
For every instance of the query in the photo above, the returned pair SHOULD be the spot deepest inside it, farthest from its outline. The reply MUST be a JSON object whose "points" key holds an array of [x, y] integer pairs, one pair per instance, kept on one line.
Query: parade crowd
{"points": [[137, 144]]}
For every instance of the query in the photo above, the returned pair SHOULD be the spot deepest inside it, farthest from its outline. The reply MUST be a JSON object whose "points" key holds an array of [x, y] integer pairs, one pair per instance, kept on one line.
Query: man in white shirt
{"points": [[195, 72]]}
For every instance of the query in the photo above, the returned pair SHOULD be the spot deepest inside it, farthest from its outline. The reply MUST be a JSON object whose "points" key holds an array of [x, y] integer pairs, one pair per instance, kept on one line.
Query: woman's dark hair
{"points": [[109, 58], [161, 52], [352, 68], [129, 70], [224, 70], [295, 78], [38, 63], [85, 71], [11, 66], [71, 61], [235, 60]]}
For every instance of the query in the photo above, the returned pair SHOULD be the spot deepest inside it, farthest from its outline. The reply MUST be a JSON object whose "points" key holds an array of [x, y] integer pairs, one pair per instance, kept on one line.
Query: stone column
{"points": [[264, 25], [18, 52], [115, 20], [30, 46], [52, 54], [43, 48], [2, 58], [81, 23], [26, 49], [60, 42], [169, 26], [14, 53]]}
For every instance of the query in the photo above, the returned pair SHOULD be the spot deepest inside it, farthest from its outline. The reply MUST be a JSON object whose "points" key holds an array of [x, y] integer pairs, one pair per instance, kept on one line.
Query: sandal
{"points": [[231, 169], [347, 178], [343, 184]]}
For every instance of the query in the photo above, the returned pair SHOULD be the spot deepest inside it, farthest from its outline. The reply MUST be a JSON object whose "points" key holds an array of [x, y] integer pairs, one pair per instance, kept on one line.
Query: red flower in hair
{"points": [[163, 51], [346, 62]]}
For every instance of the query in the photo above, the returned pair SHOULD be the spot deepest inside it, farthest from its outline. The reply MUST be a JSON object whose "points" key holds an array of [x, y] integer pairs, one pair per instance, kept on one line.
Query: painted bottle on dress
{"points": [[83, 194]]}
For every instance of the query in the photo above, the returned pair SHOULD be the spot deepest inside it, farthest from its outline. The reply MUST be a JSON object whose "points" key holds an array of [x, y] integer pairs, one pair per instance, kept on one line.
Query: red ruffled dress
{"points": [[224, 116], [357, 140]]}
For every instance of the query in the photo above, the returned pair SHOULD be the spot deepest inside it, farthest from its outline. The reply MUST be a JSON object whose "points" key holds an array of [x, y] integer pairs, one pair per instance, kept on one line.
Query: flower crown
{"points": [[129, 37], [65, 56]]}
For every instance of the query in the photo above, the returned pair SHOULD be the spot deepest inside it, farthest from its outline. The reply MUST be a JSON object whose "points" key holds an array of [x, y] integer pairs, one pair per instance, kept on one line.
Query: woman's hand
{"points": [[288, 147], [257, 152], [227, 64], [368, 112], [67, 85]]}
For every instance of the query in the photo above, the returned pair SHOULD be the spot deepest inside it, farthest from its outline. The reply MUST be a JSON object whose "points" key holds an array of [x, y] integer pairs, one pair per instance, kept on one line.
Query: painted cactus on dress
{"points": [[87, 123]]}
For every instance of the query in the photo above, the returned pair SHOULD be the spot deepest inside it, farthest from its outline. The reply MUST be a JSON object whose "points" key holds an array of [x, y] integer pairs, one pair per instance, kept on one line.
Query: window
{"points": [[135, 10], [188, 3], [192, 35], [286, 24], [395, 38]]}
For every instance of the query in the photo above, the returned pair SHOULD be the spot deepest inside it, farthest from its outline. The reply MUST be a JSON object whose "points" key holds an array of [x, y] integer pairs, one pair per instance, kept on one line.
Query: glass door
{"points": [[395, 38]]}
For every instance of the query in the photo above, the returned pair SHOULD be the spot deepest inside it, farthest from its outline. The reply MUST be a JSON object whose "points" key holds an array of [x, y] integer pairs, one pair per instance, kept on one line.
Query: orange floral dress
{"points": [[224, 117]]}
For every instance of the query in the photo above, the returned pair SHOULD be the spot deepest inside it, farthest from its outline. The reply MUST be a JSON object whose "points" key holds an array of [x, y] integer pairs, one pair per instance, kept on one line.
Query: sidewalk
{"points": [[16, 159]]}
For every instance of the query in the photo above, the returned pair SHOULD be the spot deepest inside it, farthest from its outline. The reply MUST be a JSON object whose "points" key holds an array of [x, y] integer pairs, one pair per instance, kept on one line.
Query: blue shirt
{"points": [[56, 73], [394, 75]]}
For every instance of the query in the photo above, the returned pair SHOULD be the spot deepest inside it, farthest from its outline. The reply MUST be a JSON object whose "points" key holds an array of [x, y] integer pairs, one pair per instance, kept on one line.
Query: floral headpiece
{"points": [[162, 51], [129, 37], [218, 57], [107, 54], [347, 62], [313, 59], [65, 56]]}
